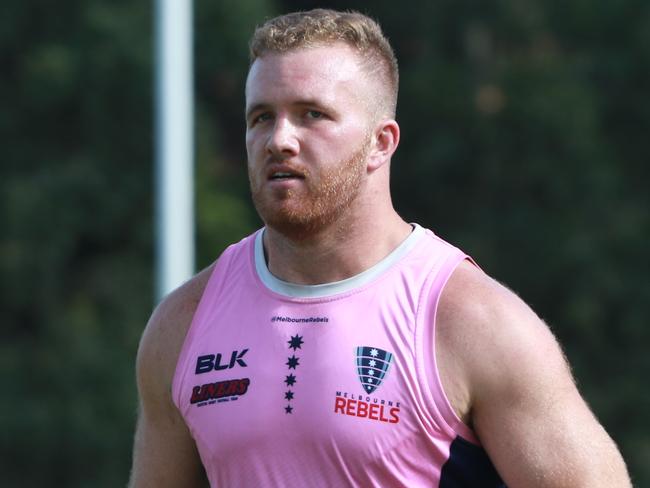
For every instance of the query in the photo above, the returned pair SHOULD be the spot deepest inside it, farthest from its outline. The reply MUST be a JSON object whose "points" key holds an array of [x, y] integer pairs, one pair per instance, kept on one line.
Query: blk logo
{"points": [[212, 362]]}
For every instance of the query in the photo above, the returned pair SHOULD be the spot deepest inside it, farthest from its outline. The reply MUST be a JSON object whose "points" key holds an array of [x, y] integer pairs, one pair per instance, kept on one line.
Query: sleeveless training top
{"points": [[326, 385]]}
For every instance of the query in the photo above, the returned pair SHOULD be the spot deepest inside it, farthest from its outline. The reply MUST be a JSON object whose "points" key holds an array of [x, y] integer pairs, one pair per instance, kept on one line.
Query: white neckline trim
{"points": [[328, 289]]}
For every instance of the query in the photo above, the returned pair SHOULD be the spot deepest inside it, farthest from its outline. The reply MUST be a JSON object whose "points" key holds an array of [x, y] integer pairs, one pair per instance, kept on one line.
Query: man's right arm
{"points": [[164, 452]]}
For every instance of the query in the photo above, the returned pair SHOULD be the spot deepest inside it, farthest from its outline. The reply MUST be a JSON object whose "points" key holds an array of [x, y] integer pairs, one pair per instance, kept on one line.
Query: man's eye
{"points": [[261, 117], [315, 114]]}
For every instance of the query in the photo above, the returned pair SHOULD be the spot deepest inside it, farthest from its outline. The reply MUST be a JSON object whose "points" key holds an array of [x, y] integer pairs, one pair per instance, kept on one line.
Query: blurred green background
{"points": [[525, 140]]}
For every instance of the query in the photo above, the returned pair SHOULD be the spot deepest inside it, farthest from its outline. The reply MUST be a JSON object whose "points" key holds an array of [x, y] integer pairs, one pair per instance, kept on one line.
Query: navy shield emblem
{"points": [[372, 366]]}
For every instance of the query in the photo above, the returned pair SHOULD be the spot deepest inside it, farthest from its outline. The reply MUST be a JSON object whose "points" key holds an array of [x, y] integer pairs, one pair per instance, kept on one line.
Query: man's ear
{"points": [[385, 139]]}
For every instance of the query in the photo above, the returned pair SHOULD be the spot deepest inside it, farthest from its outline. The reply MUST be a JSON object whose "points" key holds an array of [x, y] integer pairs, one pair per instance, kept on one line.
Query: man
{"points": [[340, 345]]}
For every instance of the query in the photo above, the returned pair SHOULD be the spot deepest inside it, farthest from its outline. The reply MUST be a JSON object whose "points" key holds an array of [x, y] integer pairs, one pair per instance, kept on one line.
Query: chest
{"points": [[280, 374]]}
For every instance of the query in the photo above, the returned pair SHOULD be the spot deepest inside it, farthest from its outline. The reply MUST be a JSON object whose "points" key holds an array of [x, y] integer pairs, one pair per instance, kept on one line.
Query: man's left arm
{"points": [[525, 406]]}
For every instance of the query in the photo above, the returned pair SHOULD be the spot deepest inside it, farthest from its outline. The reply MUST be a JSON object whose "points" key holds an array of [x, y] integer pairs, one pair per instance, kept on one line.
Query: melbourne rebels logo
{"points": [[372, 366]]}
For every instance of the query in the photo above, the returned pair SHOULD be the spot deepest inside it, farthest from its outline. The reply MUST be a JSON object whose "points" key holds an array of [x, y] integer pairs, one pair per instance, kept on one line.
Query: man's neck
{"points": [[340, 251]]}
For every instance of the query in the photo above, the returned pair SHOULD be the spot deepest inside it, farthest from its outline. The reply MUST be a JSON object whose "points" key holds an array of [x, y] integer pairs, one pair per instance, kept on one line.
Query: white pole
{"points": [[174, 145]]}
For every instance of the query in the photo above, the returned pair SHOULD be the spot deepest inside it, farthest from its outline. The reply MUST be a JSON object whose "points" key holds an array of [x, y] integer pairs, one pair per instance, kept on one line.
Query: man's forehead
{"points": [[311, 71], [336, 62], [337, 49]]}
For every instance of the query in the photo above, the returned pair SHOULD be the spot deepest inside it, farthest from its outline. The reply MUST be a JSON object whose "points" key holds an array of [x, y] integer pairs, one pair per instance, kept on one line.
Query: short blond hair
{"points": [[323, 26]]}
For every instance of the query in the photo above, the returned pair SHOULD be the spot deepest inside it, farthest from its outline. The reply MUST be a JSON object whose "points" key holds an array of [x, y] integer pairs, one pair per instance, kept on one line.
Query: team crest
{"points": [[372, 366]]}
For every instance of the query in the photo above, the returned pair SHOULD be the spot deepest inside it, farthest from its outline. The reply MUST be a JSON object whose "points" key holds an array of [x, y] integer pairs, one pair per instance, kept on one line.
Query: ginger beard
{"points": [[320, 201]]}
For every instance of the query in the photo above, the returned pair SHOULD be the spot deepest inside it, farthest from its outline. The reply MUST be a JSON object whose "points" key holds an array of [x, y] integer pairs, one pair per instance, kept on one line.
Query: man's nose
{"points": [[283, 139]]}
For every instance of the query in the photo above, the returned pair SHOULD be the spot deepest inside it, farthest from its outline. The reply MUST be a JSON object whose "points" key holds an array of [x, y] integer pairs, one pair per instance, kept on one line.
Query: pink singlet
{"points": [[326, 385]]}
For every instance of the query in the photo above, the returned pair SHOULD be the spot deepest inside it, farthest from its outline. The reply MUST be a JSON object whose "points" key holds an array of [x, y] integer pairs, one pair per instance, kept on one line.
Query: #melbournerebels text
{"points": [[220, 389], [371, 411]]}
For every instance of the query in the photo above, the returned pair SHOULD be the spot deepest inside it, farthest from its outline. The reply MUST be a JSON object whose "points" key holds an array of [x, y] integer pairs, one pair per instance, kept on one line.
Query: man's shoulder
{"points": [[473, 304], [172, 317], [489, 331], [164, 335], [473, 297], [181, 303]]}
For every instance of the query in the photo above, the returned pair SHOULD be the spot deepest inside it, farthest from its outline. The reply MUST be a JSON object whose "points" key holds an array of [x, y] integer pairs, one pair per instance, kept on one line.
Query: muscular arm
{"points": [[506, 375], [164, 453]]}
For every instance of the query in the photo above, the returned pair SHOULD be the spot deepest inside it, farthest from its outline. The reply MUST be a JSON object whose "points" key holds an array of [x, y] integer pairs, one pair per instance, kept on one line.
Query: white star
{"points": [[371, 372], [369, 380], [372, 363], [374, 353]]}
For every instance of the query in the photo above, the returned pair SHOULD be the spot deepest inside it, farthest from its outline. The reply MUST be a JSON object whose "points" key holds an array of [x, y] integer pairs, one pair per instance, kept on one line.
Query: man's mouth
{"points": [[281, 176], [285, 175]]}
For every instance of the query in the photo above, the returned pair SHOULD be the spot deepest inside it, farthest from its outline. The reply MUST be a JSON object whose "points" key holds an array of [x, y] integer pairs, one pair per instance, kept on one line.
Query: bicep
{"points": [[528, 412], [164, 452]]}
